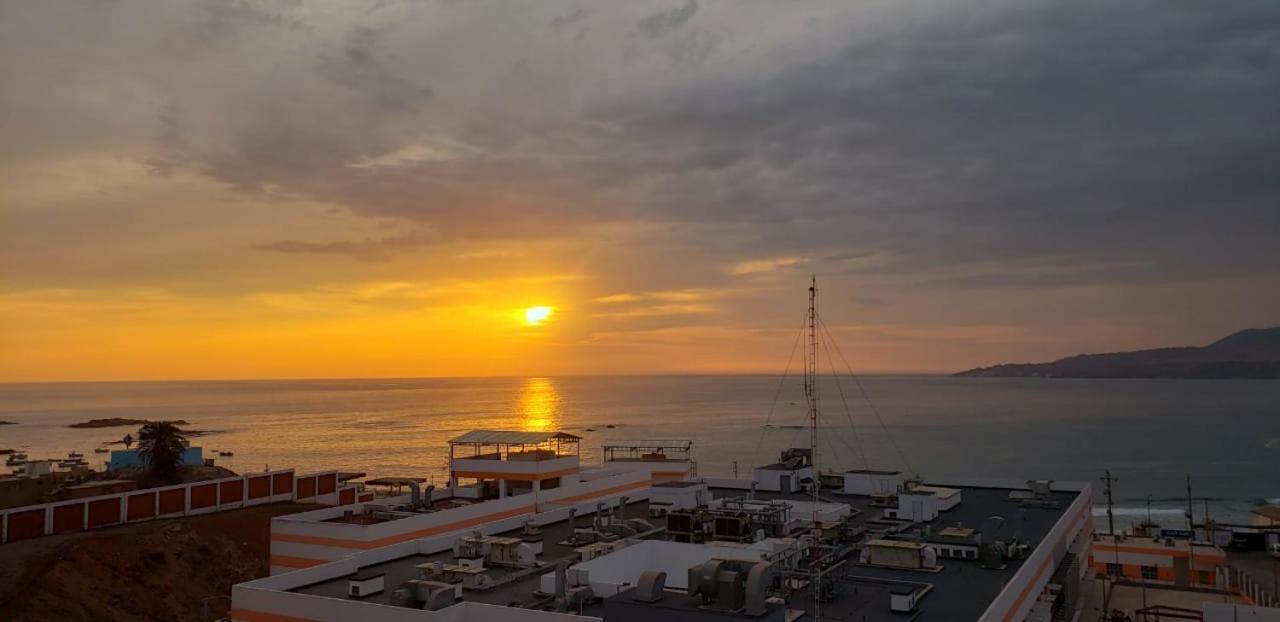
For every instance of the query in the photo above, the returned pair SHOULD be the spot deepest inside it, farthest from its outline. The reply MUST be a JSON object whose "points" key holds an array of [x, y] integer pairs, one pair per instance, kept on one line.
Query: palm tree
{"points": [[161, 444]]}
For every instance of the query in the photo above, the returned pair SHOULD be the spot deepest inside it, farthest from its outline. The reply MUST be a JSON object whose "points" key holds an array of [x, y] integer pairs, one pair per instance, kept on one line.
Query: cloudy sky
{"points": [[226, 189]]}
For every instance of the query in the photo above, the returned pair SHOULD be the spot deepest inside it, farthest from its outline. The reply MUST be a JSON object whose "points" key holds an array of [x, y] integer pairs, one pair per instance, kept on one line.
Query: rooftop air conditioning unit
{"points": [[365, 583]]}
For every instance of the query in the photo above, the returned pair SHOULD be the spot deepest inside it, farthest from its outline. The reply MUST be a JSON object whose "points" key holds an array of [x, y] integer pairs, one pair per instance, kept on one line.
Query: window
{"points": [[1114, 570], [1149, 573], [1206, 577]]}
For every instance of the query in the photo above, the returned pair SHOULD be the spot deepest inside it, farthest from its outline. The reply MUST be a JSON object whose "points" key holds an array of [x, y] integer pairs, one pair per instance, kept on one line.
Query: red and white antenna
{"points": [[811, 395]]}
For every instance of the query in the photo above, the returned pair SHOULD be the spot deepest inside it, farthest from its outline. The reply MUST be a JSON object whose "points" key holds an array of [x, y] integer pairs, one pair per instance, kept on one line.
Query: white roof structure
{"points": [[503, 437], [650, 444]]}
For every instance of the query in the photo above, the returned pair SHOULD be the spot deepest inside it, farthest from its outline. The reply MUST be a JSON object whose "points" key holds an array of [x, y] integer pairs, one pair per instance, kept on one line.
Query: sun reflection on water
{"points": [[539, 405]]}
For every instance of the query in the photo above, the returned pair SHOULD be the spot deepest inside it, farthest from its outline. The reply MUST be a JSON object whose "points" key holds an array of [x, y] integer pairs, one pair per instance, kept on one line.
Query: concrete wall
{"points": [[867, 484], [269, 598], [134, 506], [1226, 612], [261, 605], [1019, 595], [607, 574], [514, 469], [1132, 555], [305, 540], [666, 471], [771, 480]]}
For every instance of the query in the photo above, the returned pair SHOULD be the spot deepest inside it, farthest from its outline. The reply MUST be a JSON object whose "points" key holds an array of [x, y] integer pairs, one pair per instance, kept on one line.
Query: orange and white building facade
{"points": [[514, 461], [663, 460], [1158, 561], [505, 475]]}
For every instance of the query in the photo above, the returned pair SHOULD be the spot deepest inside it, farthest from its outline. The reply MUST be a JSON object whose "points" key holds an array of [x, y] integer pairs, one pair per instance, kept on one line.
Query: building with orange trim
{"points": [[1167, 561], [487, 548]]}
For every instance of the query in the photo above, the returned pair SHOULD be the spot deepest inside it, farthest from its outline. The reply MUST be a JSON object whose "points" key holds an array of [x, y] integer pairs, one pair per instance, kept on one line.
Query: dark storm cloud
{"points": [[358, 68], [365, 250], [1069, 131], [572, 17], [663, 22], [976, 144]]}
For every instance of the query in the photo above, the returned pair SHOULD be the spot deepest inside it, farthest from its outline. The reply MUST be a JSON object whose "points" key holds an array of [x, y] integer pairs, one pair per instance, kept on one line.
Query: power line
{"points": [[866, 398], [857, 441], [755, 455]]}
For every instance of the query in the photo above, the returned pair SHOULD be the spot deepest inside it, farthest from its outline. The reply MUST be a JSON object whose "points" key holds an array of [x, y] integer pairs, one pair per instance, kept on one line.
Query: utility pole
{"points": [[1111, 519], [1191, 523], [1191, 526]]}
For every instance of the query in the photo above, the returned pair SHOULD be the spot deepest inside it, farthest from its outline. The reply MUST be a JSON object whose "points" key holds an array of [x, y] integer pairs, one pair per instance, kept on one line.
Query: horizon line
{"points": [[464, 377]]}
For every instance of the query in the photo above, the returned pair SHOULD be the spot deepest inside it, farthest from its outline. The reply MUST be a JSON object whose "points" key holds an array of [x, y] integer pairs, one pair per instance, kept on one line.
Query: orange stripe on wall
{"points": [[404, 537], [1157, 551], [1044, 566], [296, 562], [520, 477], [1017, 604], [414, 535], [249, 615], [603, 493]]}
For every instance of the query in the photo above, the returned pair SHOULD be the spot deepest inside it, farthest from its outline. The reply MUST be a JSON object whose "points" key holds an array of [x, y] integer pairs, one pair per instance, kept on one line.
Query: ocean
{"points": [[1225, 434]]}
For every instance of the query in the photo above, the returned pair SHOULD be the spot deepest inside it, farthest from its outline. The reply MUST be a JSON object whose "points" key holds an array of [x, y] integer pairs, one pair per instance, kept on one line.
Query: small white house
{"points": [[867, 482], [780, 478], [923, 503], [947, 497]]}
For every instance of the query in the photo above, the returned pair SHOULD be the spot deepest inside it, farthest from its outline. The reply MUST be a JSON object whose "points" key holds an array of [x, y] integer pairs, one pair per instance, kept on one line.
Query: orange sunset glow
{"points": [[452, 189]]}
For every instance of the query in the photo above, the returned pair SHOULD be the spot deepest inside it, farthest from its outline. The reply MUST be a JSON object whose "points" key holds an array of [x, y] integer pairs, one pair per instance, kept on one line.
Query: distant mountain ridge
{"points": [[1250, 353]]}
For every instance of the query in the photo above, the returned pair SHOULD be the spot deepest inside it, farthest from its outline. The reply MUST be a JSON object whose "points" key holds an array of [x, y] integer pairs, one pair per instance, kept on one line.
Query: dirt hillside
{"points": [[159, 570]]}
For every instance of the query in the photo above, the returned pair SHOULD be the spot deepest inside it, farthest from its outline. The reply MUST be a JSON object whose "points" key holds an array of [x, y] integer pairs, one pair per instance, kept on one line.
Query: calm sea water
{"points": [[1150, 433]]}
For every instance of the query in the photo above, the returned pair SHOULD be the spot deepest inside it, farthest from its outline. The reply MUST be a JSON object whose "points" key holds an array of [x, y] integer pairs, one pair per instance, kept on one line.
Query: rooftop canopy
{"points": [[681, 445], [502, 437]]}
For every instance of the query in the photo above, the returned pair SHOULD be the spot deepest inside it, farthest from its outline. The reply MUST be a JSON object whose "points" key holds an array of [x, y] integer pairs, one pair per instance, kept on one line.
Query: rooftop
{"points": [[506, 437], [682, 445], [961, 589]]}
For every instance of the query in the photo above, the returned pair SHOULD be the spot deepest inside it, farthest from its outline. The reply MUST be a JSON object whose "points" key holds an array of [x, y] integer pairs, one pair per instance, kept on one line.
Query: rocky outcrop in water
{"points": [[115, 422]]}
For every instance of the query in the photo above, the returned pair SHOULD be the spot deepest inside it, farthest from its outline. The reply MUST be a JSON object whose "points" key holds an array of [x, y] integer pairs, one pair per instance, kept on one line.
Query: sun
{"points": [[534, 316]]}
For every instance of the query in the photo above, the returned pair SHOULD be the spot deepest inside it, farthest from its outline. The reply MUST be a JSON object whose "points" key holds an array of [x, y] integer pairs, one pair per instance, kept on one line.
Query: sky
{"points": [[234, 189]]}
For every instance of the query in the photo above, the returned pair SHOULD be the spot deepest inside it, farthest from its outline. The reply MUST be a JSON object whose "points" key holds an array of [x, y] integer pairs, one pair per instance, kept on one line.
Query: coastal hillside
{"points": [[1250, 353]]}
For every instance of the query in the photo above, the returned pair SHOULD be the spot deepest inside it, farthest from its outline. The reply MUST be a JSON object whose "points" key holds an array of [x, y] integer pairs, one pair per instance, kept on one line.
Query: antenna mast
{"points": [[811, 395]]}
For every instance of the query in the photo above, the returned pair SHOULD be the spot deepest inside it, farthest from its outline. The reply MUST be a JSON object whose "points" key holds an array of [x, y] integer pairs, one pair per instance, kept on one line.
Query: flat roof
{"points": [[520, 590], [896, 544], [871, 472], [508, 437], [677, 484], [960, 590], [649, 444]]}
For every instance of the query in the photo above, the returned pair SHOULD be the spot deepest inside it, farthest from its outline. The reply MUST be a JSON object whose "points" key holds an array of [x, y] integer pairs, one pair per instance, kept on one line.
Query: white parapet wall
{"points": [[1230, 612], [304, 540], [1071, 534], [869, 482], [261, 605], [270, 599], [659, 471], [607, 574]]}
